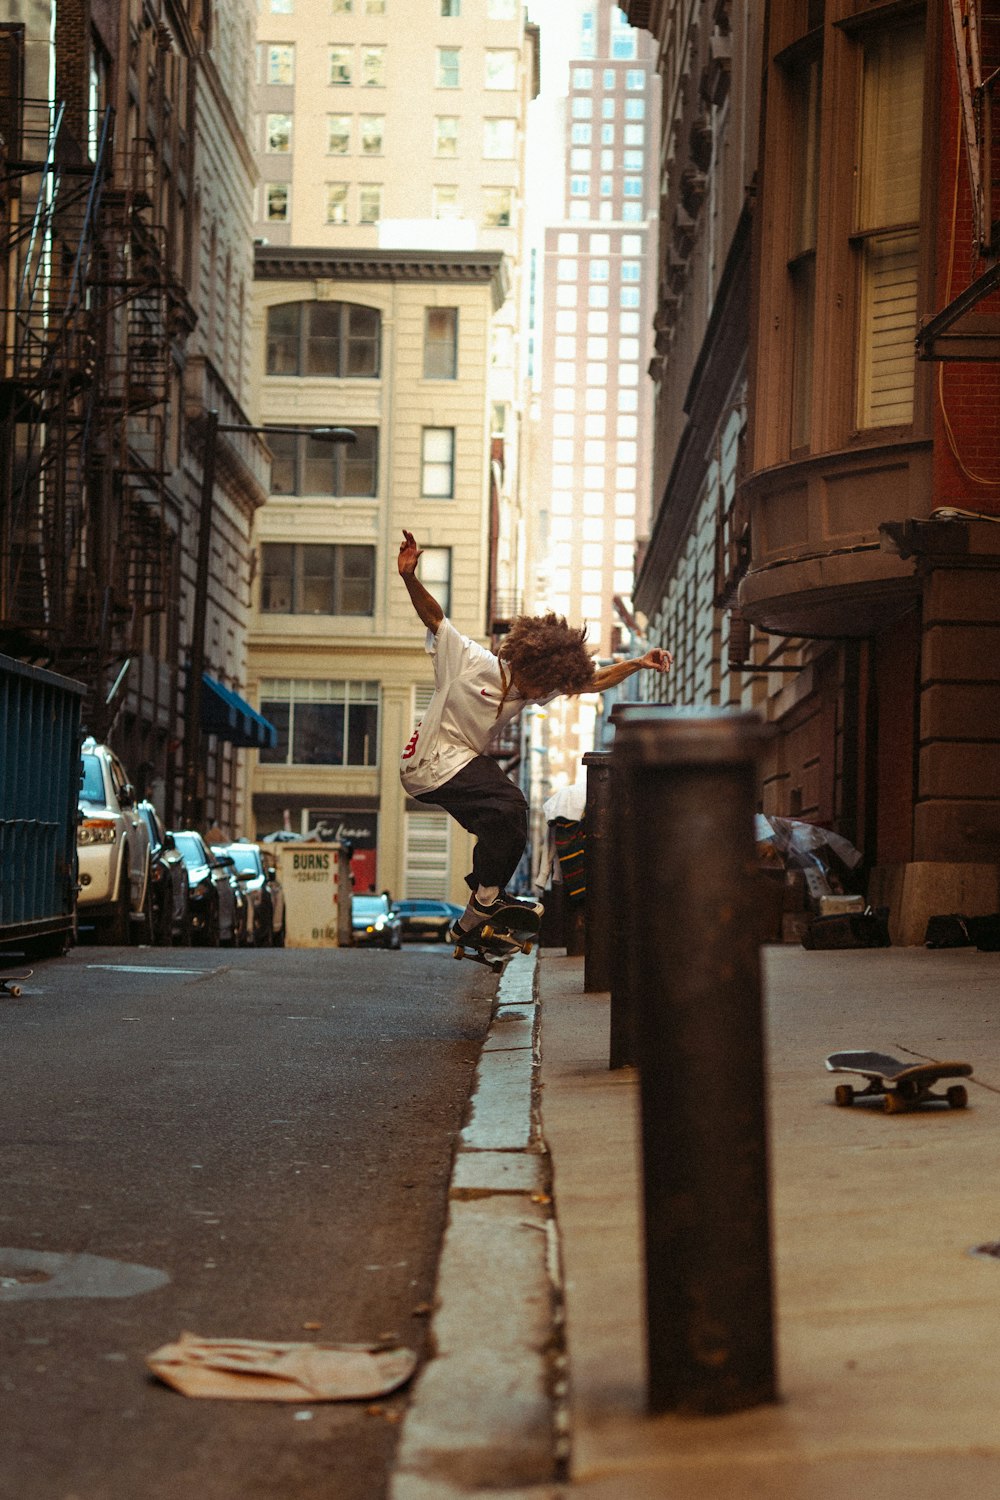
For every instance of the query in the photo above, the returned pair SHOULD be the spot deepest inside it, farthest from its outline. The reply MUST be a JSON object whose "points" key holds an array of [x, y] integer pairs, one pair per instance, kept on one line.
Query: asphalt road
{"points": [[273, 1132]]}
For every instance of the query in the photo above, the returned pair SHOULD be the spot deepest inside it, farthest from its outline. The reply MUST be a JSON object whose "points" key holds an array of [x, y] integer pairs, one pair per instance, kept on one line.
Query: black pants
{"points": [[490, 807]]}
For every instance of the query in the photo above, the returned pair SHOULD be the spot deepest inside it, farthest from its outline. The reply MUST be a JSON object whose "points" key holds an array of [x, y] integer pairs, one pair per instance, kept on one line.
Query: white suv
{"points": [[112, 845]]}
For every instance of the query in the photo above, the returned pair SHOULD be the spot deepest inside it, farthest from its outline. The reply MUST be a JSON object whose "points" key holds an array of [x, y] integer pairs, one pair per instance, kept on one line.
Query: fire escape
{"points": [[86, 551], [966, 329]]}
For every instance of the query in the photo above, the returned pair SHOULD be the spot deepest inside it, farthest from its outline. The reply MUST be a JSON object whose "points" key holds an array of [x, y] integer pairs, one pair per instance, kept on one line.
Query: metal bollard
{"points": [[599, 895], [709, 1301], [623, 1049]]}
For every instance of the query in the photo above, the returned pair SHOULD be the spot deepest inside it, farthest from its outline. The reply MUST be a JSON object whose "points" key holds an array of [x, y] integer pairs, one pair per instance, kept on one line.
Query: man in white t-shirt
{"points": [[475, 693]]}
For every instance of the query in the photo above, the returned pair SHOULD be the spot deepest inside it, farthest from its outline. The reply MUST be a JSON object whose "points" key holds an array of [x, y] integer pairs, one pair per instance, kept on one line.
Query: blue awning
{"points": [[226, 714]]}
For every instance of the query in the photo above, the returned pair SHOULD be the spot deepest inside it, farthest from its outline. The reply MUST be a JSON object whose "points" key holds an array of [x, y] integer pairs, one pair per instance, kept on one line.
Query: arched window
{"points": [[323, 338]]}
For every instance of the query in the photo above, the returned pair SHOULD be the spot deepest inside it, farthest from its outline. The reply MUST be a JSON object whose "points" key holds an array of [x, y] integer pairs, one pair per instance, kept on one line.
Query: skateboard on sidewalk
{"points": [[509, 930], [904, 1086], [10, 984]]}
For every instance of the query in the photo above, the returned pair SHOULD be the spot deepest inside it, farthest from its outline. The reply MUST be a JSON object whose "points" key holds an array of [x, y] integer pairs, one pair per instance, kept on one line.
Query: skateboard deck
{"points": [[494, 942], [903, 1085], [11, 983]]}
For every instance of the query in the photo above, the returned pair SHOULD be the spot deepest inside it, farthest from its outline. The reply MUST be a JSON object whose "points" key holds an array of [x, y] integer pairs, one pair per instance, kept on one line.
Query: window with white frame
{"points": [[369, 203], [497, 207], [336, 202], [501, 69], [434, 572], [448, 76], [372, 134], [338, 135], [278, 134], [339, 61], [580, 135], [281, 63], [277, 204], [446, 135], [437, 463], [583, 78], [499, 139], [444, 200], [440, 343]]}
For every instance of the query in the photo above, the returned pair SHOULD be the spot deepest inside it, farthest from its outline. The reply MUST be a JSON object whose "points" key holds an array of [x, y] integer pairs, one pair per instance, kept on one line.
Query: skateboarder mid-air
{"points": [[475, 694]]}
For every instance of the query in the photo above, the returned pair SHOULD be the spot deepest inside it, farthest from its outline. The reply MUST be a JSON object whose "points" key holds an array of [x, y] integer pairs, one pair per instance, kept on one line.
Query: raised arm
{"points": [[657, 660], [430, 612]]}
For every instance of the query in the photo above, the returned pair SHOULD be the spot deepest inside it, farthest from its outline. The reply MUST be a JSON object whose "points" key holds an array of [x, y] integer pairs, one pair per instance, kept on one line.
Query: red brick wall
{"points": [[967, 395]]}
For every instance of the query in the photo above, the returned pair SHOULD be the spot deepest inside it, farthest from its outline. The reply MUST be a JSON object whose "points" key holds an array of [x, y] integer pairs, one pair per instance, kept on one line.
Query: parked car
{"points": [[373, 921], [423, 918], [168, 876], [265, 894], [112, 846], [212, 893]]}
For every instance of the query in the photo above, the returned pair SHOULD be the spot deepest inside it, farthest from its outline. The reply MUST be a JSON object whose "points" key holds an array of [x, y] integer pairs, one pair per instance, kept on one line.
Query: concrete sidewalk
{"points": [[888, 1326]]}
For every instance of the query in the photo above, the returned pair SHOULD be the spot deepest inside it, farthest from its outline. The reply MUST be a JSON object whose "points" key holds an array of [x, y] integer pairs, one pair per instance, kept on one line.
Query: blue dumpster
{"points": [[39, 793]]}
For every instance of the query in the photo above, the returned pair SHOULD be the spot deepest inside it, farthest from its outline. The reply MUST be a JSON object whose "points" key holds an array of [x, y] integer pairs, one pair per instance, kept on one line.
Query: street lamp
{"points": [[199, 615]]}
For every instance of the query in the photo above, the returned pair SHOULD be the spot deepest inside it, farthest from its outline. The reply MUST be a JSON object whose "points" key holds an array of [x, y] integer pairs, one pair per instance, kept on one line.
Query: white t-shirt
{"points": [[461, 718]]}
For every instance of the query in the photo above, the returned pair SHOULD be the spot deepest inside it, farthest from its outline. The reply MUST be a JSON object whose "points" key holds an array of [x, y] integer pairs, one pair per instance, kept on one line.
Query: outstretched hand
{"points": [[409, 554], [658, 659]]}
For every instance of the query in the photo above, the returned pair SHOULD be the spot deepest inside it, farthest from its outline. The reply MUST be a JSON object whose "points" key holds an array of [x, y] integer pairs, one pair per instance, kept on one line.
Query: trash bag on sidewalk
{"points": [[826, 859], [257, 1370]]}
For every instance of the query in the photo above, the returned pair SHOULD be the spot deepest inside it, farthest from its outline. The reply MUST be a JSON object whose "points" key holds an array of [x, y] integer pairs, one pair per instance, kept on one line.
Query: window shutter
{"points": [[428, 855], [889, 323]]}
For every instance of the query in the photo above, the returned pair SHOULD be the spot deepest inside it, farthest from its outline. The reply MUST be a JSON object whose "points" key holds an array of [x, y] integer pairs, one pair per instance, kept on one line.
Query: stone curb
{"points": [[481, 1415]]}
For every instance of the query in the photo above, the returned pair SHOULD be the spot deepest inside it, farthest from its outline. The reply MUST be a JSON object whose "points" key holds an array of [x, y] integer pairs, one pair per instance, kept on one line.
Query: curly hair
{"points": [[549, 653]]}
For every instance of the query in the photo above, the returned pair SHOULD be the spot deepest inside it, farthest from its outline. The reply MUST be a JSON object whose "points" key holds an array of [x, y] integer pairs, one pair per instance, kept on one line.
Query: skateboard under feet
{"points": [[904, 1086], [512, 929]]}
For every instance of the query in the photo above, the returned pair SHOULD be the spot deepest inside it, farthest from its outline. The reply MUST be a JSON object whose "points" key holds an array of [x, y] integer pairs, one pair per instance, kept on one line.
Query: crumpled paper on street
{"points": [[257, 1370]]}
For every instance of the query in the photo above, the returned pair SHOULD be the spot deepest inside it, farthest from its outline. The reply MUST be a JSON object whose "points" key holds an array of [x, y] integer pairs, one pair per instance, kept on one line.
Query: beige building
{"points": [[387, 299], [338, 654]]}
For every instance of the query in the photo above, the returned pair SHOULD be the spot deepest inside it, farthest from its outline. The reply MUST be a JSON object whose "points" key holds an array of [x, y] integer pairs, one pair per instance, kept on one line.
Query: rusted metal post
{"points": [[598, 901], [709, 1306], [623, 1050]]}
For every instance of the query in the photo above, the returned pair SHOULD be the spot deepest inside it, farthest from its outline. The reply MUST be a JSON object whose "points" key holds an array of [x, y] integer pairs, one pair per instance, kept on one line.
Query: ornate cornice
{"points": [[277, 263]]}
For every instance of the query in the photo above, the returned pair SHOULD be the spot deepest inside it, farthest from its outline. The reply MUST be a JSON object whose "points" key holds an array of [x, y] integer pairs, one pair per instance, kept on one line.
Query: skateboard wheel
{"points": [[486, 931], [14, 989], [895, 1104], [527, 947], [958, 1096], [843, 1094]]}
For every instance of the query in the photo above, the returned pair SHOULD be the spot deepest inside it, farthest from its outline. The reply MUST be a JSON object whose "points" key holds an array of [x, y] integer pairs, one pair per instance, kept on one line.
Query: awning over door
{"points": [[226, 714]]}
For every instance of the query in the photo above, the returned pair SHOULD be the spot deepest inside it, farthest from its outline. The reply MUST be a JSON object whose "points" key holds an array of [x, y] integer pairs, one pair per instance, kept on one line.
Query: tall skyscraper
{"points": [[595, 440]]}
